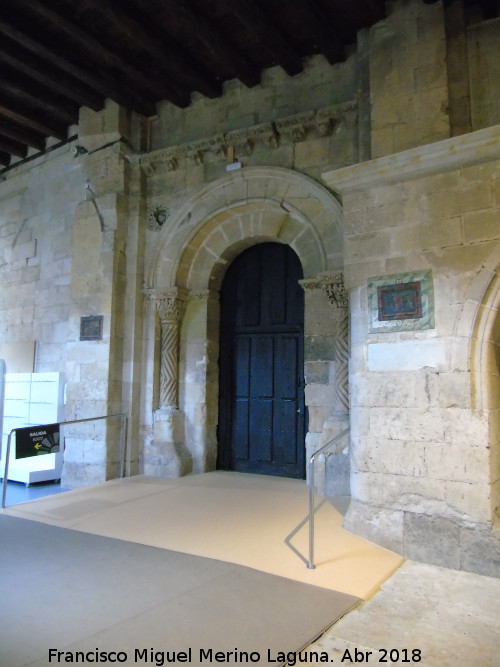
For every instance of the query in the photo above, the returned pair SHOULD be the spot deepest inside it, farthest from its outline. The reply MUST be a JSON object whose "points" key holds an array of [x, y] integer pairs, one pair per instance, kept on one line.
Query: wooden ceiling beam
{"points": [[22, 135], [4, 159], [327, 39], [37, 98], [32, 120], [491, 8], [269, 37], [12, 147], [213, 41], [56, 81], [176, 65], [91, 78], [92, 49]]}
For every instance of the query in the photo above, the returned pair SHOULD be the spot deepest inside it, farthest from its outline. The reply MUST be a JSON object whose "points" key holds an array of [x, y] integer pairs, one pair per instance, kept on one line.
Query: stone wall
{"points": [[209, 197], [67, 248], [37, 205], [142, 224], [424, 446], [434, 73], [408, 78]]}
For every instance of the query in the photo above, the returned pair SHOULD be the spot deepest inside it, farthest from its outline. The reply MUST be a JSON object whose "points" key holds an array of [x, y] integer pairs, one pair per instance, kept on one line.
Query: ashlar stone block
{"points": [[381, 455], [470, 501], [459, 463], [381, 525], [480, 550], [415, 424], [432, 539]]}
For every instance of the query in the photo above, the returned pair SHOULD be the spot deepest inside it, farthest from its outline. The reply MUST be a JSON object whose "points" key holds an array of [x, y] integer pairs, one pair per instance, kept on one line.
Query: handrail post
{"points": [[310, 562], [6, 470], [123, 445], [312, 461]]}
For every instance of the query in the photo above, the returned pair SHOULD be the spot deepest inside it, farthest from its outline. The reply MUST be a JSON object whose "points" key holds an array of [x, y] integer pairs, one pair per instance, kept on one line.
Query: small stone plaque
{"points": [[402, 302], [91, 327]]}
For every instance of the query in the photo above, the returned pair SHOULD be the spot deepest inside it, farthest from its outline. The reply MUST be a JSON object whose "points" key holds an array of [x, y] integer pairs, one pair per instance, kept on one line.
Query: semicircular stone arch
{"points": [[478, 330], [255, 204]]}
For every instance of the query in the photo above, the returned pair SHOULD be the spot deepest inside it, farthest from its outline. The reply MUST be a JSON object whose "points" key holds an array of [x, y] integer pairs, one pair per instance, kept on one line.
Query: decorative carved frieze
{"points": [[244, 141], [295, 128]]}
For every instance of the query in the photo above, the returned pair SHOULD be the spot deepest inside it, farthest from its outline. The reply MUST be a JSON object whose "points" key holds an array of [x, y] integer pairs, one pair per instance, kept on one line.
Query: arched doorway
{"points": [[185, 269], [261, 387]]}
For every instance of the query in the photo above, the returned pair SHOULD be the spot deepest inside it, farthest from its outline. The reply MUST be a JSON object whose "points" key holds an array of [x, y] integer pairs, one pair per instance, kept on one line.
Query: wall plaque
{"points": [[401, 302], [91, 327]]}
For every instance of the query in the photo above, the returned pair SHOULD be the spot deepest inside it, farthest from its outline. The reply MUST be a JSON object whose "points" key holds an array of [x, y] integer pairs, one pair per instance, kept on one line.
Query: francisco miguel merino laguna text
{"points": [[208, 655]]}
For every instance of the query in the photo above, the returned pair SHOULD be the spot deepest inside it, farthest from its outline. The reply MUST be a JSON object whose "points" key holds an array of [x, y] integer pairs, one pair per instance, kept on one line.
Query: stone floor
{"points": [[441, 617], [422, 614]]}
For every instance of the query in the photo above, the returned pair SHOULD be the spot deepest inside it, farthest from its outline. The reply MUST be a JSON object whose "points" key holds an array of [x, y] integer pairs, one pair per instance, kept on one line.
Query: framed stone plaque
{"points": [[401, 302], [91, 327]]}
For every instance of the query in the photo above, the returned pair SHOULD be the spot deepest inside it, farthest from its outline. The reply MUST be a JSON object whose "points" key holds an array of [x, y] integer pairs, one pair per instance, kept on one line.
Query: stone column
{"points": [[337, 474], [337, 295], [169, 456], [170, 306], [327, 389]]}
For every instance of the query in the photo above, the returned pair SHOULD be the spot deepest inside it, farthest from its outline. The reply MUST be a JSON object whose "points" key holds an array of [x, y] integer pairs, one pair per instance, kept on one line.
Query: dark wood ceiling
{"points": [[59, 55]]}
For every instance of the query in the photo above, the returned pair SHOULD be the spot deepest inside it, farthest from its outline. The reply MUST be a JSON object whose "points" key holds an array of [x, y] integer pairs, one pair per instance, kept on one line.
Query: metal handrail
{"points": [[123, 441], [312, 460]]}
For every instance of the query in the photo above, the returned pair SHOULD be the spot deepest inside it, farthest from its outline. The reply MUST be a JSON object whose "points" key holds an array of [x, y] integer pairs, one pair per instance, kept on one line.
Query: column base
{"points": [[168, 455]]}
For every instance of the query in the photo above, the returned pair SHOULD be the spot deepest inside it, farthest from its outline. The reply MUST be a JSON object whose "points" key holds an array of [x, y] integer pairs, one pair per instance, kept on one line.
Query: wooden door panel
{"points": [[239, 431], [260, 430], [241, 366], [286, 360], [261, 397], [261, 364]]}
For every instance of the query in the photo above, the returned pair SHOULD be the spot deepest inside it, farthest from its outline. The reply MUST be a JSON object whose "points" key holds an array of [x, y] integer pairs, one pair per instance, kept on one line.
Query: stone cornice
{"points": [[441, 156], [290, 129]]}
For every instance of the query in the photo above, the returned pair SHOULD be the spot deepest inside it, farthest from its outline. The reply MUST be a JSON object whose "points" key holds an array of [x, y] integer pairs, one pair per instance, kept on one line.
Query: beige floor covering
{"points": [[250, 520]]}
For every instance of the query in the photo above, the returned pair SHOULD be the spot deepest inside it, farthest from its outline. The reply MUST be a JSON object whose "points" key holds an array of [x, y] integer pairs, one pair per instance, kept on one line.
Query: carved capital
{"points": [[169, 303], [311, 284], [337, 294]]}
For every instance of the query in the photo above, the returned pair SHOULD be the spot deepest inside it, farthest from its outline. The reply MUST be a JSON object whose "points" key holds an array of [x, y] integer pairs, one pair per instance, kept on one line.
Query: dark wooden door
{"points": [[261, 385]]}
